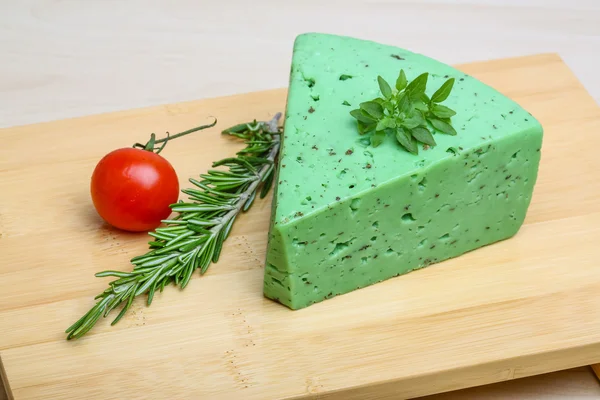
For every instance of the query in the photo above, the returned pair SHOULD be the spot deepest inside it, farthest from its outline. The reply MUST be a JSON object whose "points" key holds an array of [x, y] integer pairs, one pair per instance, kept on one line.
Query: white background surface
{"points": [[61, 59]]}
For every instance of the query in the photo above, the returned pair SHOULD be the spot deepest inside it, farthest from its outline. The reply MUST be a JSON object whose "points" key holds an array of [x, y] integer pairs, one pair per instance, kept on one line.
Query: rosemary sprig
{"points": [[194, 238], [406, 113]]}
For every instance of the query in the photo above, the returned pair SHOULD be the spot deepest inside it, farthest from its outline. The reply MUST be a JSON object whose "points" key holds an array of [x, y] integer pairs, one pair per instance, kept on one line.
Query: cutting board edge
{"points": [[494, 372], [4, 380]]}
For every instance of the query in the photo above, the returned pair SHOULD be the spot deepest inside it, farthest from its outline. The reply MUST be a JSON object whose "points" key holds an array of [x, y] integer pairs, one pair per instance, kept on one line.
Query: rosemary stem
{"points": [[251, 189]]}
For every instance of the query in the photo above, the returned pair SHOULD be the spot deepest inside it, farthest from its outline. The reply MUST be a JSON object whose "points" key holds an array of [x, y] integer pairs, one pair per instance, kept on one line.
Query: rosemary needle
{"points": [[194, 238]]}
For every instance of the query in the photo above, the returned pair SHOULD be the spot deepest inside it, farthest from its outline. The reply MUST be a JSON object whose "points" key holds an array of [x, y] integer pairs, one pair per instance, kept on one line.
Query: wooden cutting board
{"points": [[522, 307]]}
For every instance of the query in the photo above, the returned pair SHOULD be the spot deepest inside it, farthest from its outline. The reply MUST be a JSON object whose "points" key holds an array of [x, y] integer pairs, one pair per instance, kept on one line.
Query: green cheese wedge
{"points": [[347, 215]]}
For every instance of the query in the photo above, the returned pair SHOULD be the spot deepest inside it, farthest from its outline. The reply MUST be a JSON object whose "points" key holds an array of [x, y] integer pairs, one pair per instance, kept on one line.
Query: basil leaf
{"points": [[362, 116], [441, 111], [385, 88], [388, 105], [377, 138], [406, 112], [420, 106], [385, 123], [413, 120], [404, 103], [372, 108], [406, 141], [423, 135], [442, 126], [417, 87], [364, 128], [443, 92], [401, 81]]}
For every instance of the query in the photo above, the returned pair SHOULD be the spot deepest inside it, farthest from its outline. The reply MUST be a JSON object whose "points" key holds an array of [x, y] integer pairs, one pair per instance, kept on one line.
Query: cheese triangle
{"points": [[347, 215]]}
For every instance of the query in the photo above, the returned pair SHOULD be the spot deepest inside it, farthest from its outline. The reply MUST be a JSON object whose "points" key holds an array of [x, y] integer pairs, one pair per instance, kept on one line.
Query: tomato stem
{"points": [[150, 145]]}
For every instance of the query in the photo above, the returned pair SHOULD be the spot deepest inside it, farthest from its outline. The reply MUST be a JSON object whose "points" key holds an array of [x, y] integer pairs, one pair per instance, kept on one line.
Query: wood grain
{"points": [[522, 307]]}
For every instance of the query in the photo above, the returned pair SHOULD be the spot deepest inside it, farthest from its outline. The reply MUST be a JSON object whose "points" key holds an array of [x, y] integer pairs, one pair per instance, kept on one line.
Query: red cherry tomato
{"points": [[133, 188]]}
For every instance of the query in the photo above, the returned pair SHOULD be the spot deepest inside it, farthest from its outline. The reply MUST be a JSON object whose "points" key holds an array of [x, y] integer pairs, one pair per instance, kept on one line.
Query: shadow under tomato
{"points": [[88, 218]]}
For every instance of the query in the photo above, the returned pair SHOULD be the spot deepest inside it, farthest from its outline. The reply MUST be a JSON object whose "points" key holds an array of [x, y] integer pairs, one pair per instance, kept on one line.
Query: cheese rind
{"points": [[346, 215]]}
